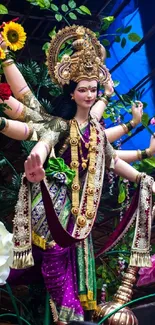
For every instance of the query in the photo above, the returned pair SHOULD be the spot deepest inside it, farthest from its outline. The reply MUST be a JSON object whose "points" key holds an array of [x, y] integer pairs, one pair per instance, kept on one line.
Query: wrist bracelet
{"points": [[125, 128], [139, 154], [133, 123], [7, 55], [138, 178], [6, 63], [4, 123], [129, 126], [143, 154], [107, 97]]}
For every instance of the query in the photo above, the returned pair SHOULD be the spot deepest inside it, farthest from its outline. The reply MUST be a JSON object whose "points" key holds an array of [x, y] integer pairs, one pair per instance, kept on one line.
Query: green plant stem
{"points": [[65, 19], [21, 303], [47, 310], [127, 304], [13, 303], [13, 315], [38, 91], [117, 252], [10, 165]]}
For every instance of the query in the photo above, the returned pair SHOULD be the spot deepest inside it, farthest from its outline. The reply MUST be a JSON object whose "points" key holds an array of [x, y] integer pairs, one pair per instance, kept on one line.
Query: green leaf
{"points": [[3, 10], [54, 7], [105, 42], [64, 8], [127, 29], [99, 270], [80, 11], [122, 193], [85, 10], [105, 115], [134, 37], [46, 46], [117, 39], [145, 119], [52, 33], [72, 15], [126, 99], [43, 4], [119, 30], [108, 55], [99, 283], [58, 17], [123, 42], [109, 19], [72, 4], [116, 83], [144, 105]]}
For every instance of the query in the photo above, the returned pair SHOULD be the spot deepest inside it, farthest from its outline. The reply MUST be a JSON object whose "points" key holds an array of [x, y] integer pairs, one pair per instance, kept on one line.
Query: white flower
{"points": [[6, 253]]}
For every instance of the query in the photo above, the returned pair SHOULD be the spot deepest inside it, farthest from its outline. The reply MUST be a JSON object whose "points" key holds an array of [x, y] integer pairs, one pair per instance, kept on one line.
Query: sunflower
{"points": [[14, 35], [2, 54]]}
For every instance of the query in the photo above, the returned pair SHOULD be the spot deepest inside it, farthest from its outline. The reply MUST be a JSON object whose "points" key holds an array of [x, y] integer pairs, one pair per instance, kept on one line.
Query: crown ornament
{"points": [[86, 62]]}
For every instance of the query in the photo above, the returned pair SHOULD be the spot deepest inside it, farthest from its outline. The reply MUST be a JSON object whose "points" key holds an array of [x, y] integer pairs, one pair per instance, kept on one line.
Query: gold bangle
{"points": [[22, 115], [125, 128], [6, 125], [30, 131], [7, 63], [132, 123], [139, 154], [104, 100], [138, 178]]}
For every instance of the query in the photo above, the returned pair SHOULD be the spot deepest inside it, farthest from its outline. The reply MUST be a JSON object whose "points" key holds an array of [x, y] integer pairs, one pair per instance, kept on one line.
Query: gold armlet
{"points": [[22, 115], [30, 131], [104, 100]]}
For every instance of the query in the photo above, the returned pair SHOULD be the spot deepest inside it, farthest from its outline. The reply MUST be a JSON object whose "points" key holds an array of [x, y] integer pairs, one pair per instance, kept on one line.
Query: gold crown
{"points": [[86, 62]]}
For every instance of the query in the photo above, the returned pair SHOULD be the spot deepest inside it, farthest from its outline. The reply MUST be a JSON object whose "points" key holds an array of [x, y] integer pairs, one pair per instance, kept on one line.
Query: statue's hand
{"points": [[152, 145], [153, 187], [2, 43], [137, 112], [109, 87], [33, 169]]}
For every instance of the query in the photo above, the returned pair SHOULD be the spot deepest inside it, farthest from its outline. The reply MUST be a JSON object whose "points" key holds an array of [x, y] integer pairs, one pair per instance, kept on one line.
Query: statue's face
{"points": [[85, 93]]}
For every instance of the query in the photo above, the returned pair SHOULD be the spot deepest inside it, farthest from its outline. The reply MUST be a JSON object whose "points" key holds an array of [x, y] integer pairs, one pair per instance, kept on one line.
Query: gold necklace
{"points": [[89, 189]]}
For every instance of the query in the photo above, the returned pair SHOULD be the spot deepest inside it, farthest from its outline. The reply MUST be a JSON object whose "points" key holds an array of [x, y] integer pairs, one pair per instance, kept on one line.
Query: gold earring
{"points": [[72, 97]]}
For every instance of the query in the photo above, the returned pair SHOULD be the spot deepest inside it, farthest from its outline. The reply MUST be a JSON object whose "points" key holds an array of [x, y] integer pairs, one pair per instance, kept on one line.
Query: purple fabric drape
{"points": [[122, 225]]}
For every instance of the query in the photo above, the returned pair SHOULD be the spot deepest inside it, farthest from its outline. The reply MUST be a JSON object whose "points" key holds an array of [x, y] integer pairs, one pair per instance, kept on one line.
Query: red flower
{"points": [[5, 91]]}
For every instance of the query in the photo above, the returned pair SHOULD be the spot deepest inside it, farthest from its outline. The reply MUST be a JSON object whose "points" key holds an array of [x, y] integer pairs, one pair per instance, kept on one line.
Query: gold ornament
{"points": [[87, 61], [75, 142], [123, 295]]}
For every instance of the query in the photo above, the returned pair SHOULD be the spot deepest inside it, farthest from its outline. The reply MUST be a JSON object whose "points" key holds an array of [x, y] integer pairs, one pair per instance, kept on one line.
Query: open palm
{"points": [[33, 169]]}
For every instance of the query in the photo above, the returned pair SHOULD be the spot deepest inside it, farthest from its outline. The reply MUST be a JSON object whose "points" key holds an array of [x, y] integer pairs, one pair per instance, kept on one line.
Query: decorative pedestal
{"points": [[123, 295]]}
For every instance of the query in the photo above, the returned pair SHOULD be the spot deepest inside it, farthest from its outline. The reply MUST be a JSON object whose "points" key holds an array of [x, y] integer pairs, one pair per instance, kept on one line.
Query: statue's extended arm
{"points": [[15, 129]]}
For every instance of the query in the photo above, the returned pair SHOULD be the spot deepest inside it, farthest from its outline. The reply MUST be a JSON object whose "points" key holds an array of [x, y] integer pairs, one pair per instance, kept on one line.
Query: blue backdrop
{"points": [[141, 16]]}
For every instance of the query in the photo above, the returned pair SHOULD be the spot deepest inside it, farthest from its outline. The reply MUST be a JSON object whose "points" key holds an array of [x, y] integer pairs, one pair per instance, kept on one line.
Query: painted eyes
{"points": [[85, 90]]}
